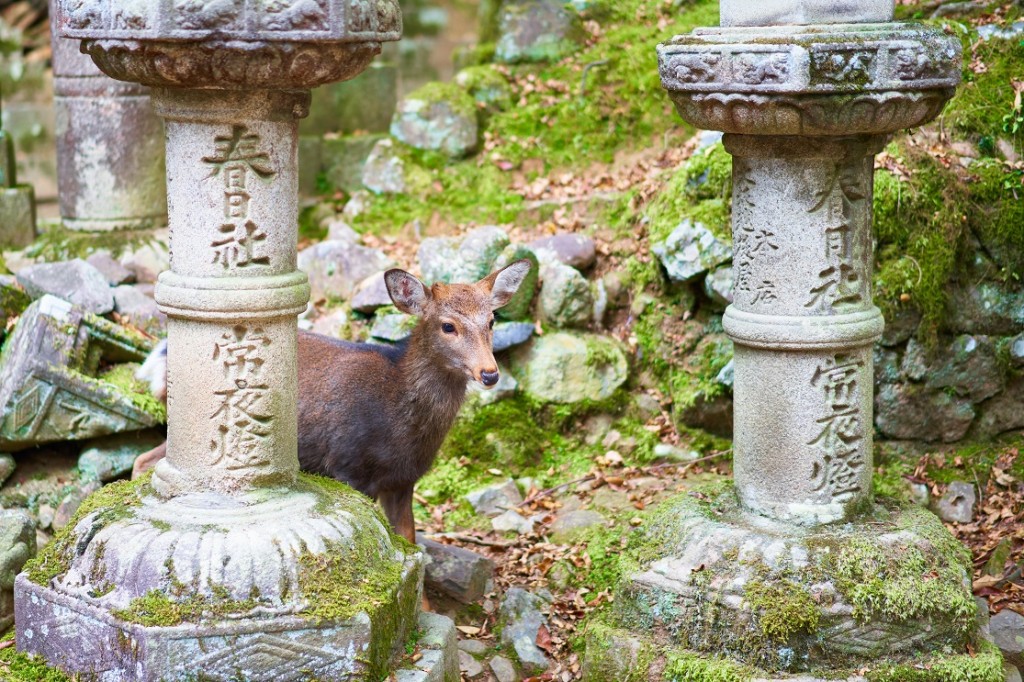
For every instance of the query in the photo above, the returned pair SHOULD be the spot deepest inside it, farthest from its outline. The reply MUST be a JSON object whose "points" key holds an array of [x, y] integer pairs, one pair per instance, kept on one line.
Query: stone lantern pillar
{"points": [[795, 569], [110, 149], [230, 564]]}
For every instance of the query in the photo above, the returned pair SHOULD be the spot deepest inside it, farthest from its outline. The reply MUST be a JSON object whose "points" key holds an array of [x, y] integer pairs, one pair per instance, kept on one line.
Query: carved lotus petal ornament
{"points": [[839, 79], [287, 44]]}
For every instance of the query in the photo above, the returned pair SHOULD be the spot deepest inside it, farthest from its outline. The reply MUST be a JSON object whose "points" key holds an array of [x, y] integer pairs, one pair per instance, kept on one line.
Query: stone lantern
{"points": [[229, 564], [795, 568]]}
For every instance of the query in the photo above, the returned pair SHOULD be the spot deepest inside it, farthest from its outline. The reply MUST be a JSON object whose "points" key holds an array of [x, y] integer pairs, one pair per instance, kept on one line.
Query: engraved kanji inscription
{"points": [[237, 159], [243, 420], [836, 471], [842, 281], [751, 244]]}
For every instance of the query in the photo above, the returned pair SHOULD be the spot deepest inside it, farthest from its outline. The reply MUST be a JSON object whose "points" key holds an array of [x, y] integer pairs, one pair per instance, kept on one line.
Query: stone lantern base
{"points": [[280, 584], [765, 600]]}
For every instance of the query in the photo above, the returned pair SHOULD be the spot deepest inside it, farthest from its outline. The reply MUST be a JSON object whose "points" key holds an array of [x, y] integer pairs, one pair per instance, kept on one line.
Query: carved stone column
{"points": [[110, 147], [17, 202], [795, 568], [231, 564]]}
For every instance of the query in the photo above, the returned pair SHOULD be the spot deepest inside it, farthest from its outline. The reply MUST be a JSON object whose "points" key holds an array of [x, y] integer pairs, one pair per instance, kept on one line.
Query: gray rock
{"points": [[495, 499], [371, 294], [487, 86], [340, 231], [571, 248], [565, 296], [913, 412], [536, 31], [1001, 31], [437, 117], [105, 459], [469, 666], [336, 267], [647, 404], [503, 669], [1007, 629], [384, 171], [1011, 673], [901, 326], [887, 365], [518, 307], [333, 323], [505, 388], [392, 327], [111, 269], [985, 308], [957, 505], [456, 572], [522, 616], [707, 138], [956, 9], [473, 646], [70, 504], [509, 334], [569, 368], [673, 453], [74, 281], [690, 251], [448, 259], [17, 545], [726, 376], [511, 521], [1002, 413], [718, 285], [713, 414], [1017, 351], [7, 466], [969, 365], [138, 309], [570, 526]]}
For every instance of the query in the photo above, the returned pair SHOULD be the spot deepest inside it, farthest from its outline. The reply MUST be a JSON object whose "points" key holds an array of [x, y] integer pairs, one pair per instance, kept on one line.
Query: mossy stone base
{"points": [[296, 583], [714, 579]]}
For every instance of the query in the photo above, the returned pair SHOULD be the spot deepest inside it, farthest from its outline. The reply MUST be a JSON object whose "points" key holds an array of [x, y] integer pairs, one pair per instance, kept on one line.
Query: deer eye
{"points": [[448, 328]]}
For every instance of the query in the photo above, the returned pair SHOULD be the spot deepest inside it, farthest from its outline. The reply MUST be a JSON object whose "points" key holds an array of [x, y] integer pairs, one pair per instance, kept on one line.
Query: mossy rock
{"points": [[570, 368], [438, 117], [709, 578], [537, 31], [488, 88]]}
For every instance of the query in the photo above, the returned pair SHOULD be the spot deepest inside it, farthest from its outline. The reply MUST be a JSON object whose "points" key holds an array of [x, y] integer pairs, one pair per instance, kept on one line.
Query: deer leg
{"points": [[148, 460], [398, 508]]}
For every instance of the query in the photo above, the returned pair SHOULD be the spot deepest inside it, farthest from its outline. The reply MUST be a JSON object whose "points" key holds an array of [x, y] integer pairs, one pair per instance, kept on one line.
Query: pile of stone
{"points": [[566, 364]]}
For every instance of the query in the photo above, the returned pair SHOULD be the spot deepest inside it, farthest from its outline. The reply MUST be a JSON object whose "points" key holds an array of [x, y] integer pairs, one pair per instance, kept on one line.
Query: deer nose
{"points": [[489, 378]]}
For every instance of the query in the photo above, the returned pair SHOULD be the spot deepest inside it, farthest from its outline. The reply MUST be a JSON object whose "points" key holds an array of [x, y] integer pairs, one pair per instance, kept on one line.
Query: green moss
{"points": [[783, 609], [984, 99], [438, 93], [111, 502], [18, 667], [122, 377], [984, 666], [156, 609], [57, 243], [907, 584], [13, 301], [701, 190], [687, 667]]}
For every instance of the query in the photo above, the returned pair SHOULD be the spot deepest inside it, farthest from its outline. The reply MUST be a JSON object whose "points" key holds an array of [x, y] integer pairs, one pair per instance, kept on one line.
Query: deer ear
{"points": [[505, 282], [408, 293]]}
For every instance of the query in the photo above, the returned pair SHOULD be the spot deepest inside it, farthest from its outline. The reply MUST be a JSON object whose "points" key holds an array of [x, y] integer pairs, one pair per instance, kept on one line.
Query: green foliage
{"points": [[984, 666], [18, 667], [690, 667], [984, 101], [700, 190]]}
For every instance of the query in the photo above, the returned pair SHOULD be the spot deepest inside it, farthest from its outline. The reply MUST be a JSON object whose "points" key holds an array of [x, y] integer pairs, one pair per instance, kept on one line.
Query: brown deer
{"points": [[375, 416]]}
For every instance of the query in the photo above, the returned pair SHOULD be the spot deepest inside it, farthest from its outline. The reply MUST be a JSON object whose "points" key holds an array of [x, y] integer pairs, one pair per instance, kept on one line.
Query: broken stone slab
{"points": [[690, 251], [495, 499], [49, 388], [456, 572], [522, 615], [111, 268], [336, 267], [439, 654], [74, 281], [17, 545], [110, 457], [135, 307], [957, 505]]}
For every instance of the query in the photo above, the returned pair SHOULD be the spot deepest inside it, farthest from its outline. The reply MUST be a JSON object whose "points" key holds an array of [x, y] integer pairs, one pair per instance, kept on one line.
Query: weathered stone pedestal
{"points": [[795, 569], [17, 202], [228, 564], [110, 146]]}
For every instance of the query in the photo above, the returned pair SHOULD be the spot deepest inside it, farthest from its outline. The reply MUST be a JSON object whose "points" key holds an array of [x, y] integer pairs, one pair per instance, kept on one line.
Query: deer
{"points": [[375, 416]]}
